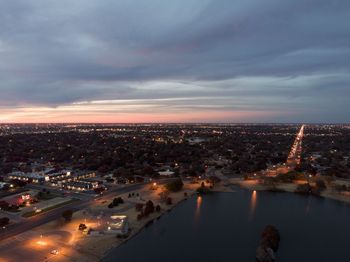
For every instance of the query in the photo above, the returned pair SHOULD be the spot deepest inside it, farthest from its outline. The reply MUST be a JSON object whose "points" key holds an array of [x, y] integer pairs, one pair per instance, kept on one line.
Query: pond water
{"points": [[224, 227]]}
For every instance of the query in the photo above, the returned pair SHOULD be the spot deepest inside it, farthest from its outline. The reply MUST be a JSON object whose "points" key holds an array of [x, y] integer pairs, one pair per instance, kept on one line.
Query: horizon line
{"points": [[175, 123]]}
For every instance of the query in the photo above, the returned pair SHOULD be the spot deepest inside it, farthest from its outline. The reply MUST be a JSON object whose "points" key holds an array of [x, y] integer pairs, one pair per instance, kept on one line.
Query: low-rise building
{"points": [[79, 181], [18, 199], [118, 224], [50, 176], [80, 176], [28, 177], [80, 185], [39, 177]]}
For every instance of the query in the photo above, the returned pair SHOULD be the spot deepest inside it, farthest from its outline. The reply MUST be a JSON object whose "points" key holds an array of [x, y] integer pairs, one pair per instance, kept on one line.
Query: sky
{"points": [[122, 61]]}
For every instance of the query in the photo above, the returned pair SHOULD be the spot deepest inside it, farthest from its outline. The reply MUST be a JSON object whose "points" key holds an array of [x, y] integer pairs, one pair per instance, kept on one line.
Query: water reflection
{"points": [[226, 220], [253, 203], [308, 204], [198, 208]]}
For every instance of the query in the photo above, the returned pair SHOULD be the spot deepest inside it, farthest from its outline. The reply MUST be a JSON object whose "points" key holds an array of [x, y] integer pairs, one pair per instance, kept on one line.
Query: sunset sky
{"points": [[174, 61]]}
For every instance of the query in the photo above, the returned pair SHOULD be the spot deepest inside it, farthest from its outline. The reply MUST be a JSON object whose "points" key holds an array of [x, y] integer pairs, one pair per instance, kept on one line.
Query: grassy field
{"points": [[33, 213]]}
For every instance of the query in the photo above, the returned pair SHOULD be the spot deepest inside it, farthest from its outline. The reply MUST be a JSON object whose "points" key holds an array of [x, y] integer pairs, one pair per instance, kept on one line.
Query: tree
{"points": [[175, 185], [340, 188], [158, 208], [99, 190], [139, 207], [169, 201], [163, 195], [148, 171], [18, 183], [303, 189], [67, 215], [290, 176], [269, 243], [110, 180], [320, 184], [203, 190], [4, 205], [271, 236], [139, 216], [149, 208], [117, 201], [82, 227], [214, 180]]}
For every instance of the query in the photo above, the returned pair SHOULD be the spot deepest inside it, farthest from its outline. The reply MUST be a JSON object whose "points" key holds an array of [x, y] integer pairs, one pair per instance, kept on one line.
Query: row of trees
{"points": [[116, 202], [147, 209], [203, 189], [175, 185], [316, 189], [67, 215], [138, 152], [6, 206]]}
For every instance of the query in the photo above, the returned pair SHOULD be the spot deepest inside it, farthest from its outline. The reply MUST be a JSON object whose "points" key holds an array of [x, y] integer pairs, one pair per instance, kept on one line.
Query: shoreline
{"points": [[97, 248], [74, 245], [227, 188], [290, 188], [146, 224], [102, 246]]}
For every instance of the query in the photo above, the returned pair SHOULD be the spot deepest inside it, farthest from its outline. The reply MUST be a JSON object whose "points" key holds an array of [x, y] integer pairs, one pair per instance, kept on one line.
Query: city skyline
{"points": [[184, 61]]}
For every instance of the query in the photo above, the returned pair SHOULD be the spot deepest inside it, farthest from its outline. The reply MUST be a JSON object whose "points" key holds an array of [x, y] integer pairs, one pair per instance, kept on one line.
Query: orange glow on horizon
{"points": [[105, 114]]}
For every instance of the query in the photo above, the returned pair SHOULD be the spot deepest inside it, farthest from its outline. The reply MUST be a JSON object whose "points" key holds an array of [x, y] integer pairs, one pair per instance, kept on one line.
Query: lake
{"points": [[224, 227]]}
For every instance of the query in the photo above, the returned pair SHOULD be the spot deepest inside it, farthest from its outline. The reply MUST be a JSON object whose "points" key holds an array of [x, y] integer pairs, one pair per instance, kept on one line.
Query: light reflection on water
{"points": [[308, 204], [198, 208], [226, 227], [253, 200]]}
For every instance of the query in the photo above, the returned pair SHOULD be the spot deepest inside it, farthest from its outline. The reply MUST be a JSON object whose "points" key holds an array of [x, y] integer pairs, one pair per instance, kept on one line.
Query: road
{"points": [[48, 216], [295, 152], [293, 158]]}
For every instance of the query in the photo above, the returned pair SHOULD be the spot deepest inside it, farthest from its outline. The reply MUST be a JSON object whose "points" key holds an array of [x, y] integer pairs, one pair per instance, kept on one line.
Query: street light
{"points": [[41, 242]]}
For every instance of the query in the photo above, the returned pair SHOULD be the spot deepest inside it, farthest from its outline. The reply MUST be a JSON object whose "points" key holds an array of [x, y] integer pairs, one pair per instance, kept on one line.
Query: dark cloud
{"points": [[270, 54]]}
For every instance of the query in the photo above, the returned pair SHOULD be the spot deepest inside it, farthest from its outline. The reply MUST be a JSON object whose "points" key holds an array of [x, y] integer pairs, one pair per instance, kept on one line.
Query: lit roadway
{"points": [[295, 153], [43, 218], [293, 158]]}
